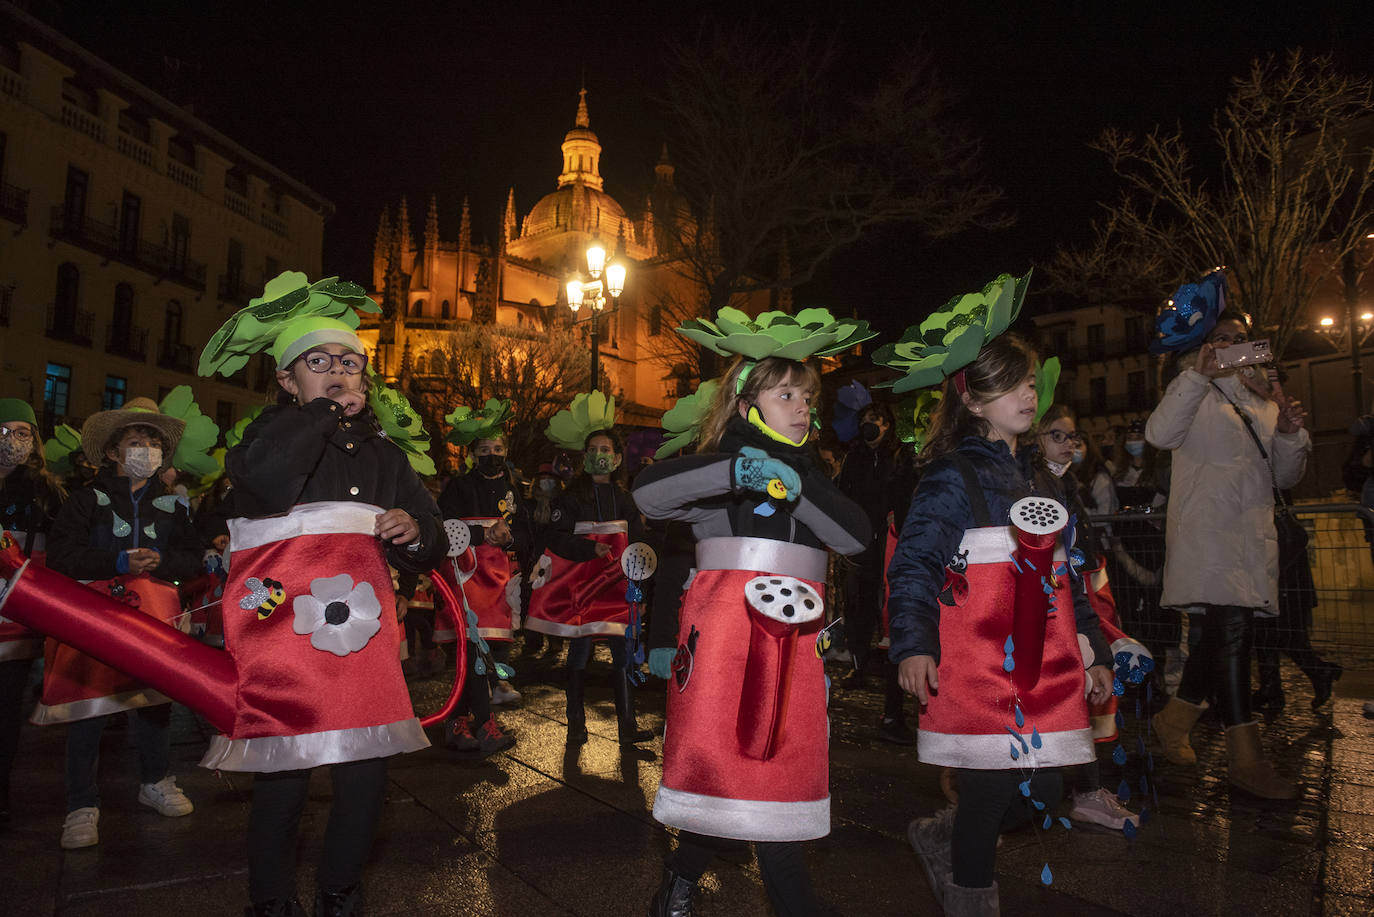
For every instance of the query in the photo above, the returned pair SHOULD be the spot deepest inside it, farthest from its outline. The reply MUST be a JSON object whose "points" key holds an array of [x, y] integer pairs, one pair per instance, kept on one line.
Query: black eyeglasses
{"points": [[17, 432], [1228, 339], [1059, 437], [317, 361]]}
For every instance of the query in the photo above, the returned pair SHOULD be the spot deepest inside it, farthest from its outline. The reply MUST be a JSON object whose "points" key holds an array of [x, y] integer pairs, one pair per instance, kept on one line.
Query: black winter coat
{"points": [[27, 504], [83, 542], [293, 454], [473, 495], [587, 501]]}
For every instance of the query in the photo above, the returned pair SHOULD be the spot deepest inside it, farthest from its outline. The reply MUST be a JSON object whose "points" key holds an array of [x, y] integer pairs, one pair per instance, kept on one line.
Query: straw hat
{"points": [[138, 412]]}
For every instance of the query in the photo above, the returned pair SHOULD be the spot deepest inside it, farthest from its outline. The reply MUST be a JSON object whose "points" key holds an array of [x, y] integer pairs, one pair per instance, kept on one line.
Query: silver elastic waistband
{"points": [[995, 545], [762, 555]]}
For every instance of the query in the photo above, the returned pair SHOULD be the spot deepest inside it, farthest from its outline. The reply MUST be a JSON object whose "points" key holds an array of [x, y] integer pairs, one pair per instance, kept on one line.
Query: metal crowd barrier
{"points": [[1336, 606]]}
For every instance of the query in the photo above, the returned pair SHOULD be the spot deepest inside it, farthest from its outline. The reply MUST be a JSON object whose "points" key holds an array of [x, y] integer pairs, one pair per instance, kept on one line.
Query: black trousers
{"points": [[781, 864], [990, 802], [1218, 668], [14, 676], [274, 825], [863, 598]]}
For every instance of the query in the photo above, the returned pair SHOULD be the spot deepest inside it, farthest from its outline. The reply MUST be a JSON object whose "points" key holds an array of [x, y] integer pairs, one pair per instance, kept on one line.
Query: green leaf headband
{"points": [[810, 333], [400, 423], [588, 414], [949, 339], [682, 422], [58, 451], [1046, 378], [486, 422], [199, 437], [289, 309]]}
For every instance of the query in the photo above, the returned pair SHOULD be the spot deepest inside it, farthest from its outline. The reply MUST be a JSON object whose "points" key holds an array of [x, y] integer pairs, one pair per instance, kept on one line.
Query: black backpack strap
{"points": [[976, 500]]}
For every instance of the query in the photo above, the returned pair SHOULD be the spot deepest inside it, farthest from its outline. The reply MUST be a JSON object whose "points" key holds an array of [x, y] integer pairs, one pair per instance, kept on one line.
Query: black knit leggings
{"points": [[990, 802], [782, 865], [275, 819]]}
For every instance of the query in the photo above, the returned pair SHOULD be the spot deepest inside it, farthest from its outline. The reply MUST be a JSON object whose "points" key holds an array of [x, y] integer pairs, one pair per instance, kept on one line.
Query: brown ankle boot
{"points": [[1172, 725], [1248, 768]]}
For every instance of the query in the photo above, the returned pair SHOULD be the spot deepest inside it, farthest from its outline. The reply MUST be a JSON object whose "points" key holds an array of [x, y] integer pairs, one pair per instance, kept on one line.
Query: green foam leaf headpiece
{"points": [[58, 451], [682, 422], [234, 435], [810, 333], [290, 308], [400, 423], [914, 415], [472, 424], [199, 437], [949, 339], [1046, 378], [589, 413]]}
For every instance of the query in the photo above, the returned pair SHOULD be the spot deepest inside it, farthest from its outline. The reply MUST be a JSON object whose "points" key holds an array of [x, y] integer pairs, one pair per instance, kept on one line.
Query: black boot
{"points": [[674, 896], [630, 733], [346, 902], [276, 907], [1269, 697], [577, 711], [1324, 678]]}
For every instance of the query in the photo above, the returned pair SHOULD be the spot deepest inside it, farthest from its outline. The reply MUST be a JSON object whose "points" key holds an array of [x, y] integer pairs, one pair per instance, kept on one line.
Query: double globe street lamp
{"points": [[607, 283]]}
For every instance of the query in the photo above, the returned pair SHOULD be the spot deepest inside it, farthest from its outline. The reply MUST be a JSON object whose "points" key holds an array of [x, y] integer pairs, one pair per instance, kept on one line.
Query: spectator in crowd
{"points": [[1230, 445]]}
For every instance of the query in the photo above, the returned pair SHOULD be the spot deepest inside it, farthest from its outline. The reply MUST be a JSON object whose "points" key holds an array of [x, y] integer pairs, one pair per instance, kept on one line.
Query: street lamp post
{"points": [[608, 282]]}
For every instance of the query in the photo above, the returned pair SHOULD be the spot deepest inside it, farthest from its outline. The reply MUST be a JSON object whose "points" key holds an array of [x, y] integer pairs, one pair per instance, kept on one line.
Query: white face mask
{"points": [[1056, 468], [142, 461]]}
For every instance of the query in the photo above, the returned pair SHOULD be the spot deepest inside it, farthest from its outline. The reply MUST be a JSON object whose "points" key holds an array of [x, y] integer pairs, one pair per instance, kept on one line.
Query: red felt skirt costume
{"points": [[16, 640], [310, 619], [970, 722], [582, 598], [485, 576], [78, 687], [746, 745]]}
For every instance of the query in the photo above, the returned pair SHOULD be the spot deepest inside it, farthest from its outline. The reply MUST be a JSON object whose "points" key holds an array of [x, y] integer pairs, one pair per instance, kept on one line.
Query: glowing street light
{"points": [[607, 283]]}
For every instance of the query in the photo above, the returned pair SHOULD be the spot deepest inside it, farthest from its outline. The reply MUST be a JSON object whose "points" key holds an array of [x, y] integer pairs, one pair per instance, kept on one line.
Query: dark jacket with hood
{"points": [[294, 454]]}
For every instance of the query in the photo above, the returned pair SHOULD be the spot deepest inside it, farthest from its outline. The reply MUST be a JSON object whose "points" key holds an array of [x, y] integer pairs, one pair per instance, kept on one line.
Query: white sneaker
{"points": [[1101, 807], [165, 797], [503, 695], [79, 830]]}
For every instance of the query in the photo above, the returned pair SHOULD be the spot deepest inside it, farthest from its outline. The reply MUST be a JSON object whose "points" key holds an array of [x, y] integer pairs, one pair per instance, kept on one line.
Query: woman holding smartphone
{"points": [[1233, 442]]}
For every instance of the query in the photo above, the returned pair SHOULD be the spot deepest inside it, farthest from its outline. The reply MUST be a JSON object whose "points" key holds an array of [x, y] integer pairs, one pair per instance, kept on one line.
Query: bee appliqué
{"points": [[264, 595]]}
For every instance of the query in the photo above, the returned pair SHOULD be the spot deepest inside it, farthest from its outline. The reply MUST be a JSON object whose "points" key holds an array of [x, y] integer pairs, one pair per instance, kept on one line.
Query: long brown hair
{"points": [[767, 373], [1001, 366]]}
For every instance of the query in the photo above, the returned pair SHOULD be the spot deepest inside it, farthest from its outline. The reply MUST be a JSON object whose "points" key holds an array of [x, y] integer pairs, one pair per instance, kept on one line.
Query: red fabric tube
{"points": [[767, 681], [460, 619], [187, 671], [1035, 557]]}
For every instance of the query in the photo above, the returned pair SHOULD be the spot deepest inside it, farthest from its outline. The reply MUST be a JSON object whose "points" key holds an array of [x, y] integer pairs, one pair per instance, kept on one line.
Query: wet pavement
{"points": [[538, 831]]}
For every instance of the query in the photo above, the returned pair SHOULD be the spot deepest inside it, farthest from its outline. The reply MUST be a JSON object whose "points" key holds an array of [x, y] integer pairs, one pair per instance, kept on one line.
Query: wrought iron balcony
{"points": [[109, 242], [127, 342], [175, 356], [14, 204], [70, 325]]}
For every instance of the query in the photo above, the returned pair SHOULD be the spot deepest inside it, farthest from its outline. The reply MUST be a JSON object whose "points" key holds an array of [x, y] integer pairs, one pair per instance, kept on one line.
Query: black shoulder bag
{"points": [[1292, 537]]}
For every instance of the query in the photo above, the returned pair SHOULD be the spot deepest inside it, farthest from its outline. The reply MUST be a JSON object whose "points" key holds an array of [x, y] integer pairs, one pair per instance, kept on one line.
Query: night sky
{"points": [[458, 98]]}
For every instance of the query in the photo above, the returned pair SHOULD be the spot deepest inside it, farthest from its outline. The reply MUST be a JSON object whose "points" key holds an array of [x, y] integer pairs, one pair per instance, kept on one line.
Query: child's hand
{"points": [[919, 675], [143, 560], [499, 534], [352, 402], [602, 549], [1101, 687], [397, 526]]}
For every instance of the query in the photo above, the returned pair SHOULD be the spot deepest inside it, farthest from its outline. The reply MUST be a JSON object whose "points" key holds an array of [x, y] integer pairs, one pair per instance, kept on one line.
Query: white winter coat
{"points": [[1221, 548]]}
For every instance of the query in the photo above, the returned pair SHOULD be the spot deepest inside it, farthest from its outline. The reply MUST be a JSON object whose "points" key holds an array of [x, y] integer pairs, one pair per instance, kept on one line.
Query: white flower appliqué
{"points": [[339, 617]]}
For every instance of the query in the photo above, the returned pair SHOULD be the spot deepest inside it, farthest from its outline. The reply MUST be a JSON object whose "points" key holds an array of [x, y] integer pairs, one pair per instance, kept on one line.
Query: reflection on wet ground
{"points": [[543, 829]]}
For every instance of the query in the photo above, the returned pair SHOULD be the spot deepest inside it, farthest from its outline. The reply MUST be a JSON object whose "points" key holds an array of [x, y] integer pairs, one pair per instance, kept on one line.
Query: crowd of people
{"points": [[762, 554]]}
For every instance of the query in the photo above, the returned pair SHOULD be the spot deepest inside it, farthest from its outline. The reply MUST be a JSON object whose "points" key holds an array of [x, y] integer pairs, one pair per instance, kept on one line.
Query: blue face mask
{"points": [[1078, 457], [1135, 447]]}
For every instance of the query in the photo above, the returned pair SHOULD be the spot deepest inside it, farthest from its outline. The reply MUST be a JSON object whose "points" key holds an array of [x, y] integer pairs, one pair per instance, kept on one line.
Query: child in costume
{"points": [[126, 536], [986, 622], [745, 754], [1057, 437], [338, 456], [488, 502], [580, 590], [29, 500]]}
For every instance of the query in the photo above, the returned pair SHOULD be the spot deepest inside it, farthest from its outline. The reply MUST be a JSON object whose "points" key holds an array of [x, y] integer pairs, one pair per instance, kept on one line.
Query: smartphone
{"points": [[1247, 354]]}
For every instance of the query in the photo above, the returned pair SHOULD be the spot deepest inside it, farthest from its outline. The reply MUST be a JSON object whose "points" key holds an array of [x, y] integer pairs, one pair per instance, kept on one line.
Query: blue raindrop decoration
{"points": [[765, 509], [1020, 717], [1068, 825], [1025, 788], [1119, 755], [1128, 828], [1009, 647], [1036, 741], [1123, 792], [1046, 877], [1049, 820], [100, 498], [120, 528], [1038, 804], [1117, 687], [151, 530], [1015, 755], [1008, 664]]}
